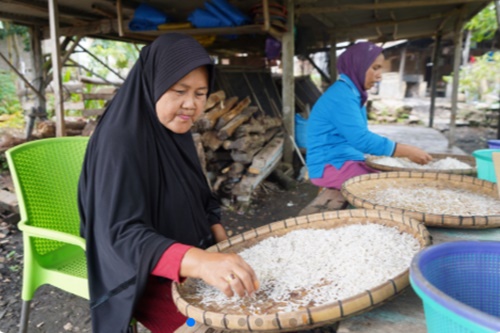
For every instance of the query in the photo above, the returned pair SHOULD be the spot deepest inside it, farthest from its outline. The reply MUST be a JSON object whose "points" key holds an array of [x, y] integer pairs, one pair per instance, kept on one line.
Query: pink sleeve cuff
{"points": [[169, 264]]}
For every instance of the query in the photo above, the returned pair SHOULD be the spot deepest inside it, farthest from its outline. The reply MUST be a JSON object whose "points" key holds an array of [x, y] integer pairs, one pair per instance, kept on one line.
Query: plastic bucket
{"points": [[484, 164], [494, 144], [459, 284]]}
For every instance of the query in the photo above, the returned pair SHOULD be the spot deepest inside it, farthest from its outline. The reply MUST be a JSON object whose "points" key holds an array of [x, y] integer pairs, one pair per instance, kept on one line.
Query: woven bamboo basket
{"points": [[371, 161], [310, 317], [355, 191]]}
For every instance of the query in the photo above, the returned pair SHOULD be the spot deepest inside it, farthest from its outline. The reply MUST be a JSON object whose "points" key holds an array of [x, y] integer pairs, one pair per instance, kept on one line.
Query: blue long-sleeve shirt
{"points": [[337, 130]]}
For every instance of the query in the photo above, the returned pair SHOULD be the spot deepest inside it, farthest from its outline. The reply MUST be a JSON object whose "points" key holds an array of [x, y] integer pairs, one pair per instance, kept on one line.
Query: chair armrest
{"points": [[52, 234]]}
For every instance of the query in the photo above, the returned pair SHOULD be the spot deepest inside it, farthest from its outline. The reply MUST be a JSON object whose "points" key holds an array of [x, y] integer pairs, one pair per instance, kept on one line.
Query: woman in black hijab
{"points": [[146, 208]]}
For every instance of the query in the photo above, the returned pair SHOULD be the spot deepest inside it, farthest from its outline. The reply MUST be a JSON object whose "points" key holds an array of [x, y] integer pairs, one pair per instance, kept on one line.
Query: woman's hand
{"points": [[227, 272], [219, 232], [415, 154]]}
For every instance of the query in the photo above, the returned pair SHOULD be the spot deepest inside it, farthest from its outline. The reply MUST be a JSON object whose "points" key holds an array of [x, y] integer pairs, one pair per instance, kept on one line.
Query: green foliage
{"points": [[117, 55], [484, 24], [480, 78], [19, 30], [9, 102]]}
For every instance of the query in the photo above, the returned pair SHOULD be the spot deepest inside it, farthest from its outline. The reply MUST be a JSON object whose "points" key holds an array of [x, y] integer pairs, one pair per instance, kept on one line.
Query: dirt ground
{"points": [[55, 311]]}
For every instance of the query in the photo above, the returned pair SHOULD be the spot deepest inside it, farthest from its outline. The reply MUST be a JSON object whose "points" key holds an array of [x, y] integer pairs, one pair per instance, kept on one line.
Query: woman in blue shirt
{"points": [[337, 129]]}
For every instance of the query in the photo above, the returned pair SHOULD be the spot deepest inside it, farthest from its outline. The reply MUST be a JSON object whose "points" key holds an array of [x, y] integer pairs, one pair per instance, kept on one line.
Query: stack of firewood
{"points": [[238, 145]]}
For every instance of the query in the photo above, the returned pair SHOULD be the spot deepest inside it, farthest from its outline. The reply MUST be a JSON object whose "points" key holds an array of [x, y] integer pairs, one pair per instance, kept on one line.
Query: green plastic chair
{"points": [[45, 175]]}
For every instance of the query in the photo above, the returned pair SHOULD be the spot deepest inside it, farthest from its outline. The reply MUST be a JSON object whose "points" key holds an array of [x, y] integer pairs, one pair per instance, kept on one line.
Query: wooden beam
{"points": [[434, 16], [379, 6], [56, 67], [21, 76], [434, 74], [288, 82], [66, 14], [457, 42], [101, 27]]}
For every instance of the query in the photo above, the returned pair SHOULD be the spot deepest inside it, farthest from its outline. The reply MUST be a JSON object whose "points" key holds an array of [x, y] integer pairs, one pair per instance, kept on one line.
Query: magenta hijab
{"points": [[354, 63]]}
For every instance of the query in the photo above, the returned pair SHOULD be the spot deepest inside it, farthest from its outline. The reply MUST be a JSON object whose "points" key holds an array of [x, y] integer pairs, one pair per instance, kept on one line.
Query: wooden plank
{"points": [[74, 105], [93, 112], [377, 6], [268, 153]]}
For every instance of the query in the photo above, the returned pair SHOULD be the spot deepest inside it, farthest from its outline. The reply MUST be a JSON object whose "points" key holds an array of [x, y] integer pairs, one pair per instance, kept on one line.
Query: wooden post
{"points": [[56, 67], [456, 76], [36, 46], [402, 65], [288, 86], [434, 74], [333, 58]]}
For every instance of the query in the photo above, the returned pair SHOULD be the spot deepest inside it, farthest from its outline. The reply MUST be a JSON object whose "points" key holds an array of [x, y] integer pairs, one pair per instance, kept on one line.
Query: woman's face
{"points": [[374, 72], [182, 104]]}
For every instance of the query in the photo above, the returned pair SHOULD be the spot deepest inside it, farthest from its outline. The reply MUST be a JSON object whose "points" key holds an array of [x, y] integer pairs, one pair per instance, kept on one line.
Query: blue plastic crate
{"points": [[459, 284]]}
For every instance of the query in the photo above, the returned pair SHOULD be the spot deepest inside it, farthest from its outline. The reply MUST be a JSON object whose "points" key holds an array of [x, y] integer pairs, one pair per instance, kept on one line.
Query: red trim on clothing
{"points": [[169, 264]]}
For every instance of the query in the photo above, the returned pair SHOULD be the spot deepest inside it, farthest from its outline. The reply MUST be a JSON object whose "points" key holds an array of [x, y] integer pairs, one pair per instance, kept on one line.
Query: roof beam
{"points": [[379, 6], [65, 13], [434, 16]]}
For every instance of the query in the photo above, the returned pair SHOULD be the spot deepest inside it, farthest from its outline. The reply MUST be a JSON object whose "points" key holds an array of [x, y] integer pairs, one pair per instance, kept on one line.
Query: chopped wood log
{"points": [[271, 133], [244, 157], [258, 126], [245, 142], [267, 156], [233, 113], [75, 124], [235, 170], [215, 98], [268, 122], [228, 129], [208, 119], [252, 127], [282, 179], [211, 141], [46, 129], [243, 190]]}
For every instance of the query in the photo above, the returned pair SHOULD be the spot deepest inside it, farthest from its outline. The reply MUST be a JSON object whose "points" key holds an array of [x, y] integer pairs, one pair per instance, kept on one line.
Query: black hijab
{"points": [[142, 187]]}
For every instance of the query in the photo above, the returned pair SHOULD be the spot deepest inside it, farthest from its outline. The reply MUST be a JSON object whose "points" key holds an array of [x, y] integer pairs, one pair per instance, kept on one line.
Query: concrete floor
{"points": [[428, 139]]}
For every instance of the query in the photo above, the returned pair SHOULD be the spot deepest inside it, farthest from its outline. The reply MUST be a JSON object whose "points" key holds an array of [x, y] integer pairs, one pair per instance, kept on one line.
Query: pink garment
{"points": [[334, 178]]}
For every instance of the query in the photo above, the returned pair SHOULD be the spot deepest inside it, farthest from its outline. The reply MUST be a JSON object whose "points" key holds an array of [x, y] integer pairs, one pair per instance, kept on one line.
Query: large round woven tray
{"points": [[313, 316], [355, 191], [371, 161]]}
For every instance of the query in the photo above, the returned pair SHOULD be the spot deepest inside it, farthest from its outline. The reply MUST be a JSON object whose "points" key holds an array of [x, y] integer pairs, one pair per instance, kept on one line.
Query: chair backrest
{"points": [[45, 174]]}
